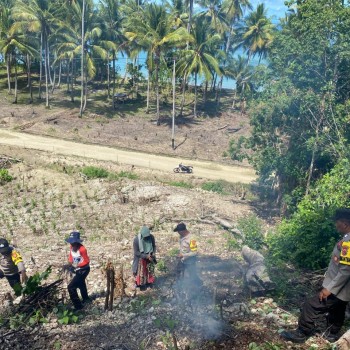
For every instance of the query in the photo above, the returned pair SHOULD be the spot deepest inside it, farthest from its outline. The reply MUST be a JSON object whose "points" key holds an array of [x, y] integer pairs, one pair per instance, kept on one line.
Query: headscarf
{"points": [[145, 240]]}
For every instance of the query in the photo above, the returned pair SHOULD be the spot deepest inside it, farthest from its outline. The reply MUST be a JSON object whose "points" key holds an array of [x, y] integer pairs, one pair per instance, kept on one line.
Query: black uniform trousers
{"points": [[318, 317], [14, 279], [78, 282]]}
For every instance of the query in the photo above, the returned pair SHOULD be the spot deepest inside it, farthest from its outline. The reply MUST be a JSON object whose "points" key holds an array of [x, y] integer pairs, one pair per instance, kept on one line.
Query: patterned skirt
{"points": [[145, 273]]}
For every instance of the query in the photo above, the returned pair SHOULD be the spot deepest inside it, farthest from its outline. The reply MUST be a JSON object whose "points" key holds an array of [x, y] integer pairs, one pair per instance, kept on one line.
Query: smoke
{"points": [[196, 302]]}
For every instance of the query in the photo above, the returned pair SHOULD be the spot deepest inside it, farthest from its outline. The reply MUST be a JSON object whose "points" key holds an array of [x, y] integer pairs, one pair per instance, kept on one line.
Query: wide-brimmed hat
{"points": [[342, 214], [74, 237], [180, 227], [4, 246]]}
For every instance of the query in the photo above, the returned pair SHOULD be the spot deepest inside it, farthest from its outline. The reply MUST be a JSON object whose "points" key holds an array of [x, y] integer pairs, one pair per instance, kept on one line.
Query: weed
{"points": [[5, 176], [217, 186], [92, 172], [161, 266], [174, 252], [128, 174], [182, 184], [252, 228]]}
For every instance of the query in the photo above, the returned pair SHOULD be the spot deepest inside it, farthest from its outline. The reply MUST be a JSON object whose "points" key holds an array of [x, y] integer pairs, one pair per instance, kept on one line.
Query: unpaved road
{"points": [[208, 170]]}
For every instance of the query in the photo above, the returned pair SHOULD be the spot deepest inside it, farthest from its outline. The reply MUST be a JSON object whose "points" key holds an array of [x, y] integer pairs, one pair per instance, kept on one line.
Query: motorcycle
{"points": [[183, 169]]}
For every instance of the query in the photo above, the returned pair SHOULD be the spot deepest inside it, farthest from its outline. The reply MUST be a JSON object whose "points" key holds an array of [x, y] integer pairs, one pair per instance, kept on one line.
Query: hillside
{"points": [[48, 198]]}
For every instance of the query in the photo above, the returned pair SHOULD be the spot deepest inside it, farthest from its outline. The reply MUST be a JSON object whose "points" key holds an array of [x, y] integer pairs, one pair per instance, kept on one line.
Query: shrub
{"points": [[252, 228], [308, 237], [217, 186], [5, 176], [94, 172]]}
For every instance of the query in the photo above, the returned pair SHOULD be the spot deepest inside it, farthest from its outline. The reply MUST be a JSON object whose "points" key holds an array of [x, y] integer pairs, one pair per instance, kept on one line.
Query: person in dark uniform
{"points": [[325, 313]]}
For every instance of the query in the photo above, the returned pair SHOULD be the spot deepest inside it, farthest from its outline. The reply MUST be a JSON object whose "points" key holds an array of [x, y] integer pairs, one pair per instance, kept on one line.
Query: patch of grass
{"points": [[128, 174], [182, 184], [252, 228], [92, 172], [174, 251], [216, 186], [5, 176]]}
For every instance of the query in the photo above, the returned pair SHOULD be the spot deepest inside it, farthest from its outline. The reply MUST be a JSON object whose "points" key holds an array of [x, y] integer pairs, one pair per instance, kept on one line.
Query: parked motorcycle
{"points": [[183, 169]]}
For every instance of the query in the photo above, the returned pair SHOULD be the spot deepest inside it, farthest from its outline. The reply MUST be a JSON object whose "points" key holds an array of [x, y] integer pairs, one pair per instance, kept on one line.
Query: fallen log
{"points": [[343, 343]]}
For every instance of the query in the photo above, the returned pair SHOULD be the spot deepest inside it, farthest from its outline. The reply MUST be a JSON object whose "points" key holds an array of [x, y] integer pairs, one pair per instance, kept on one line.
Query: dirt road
{"points": [[208, 170]]}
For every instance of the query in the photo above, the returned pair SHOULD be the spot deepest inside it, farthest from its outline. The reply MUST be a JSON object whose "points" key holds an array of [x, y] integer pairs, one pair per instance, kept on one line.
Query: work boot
{"points": [[331, 337], [295, 336]]}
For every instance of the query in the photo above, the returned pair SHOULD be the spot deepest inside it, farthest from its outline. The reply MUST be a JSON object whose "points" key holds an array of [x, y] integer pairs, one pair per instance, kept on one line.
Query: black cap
{"points": [[342, 214], [180, 227], [4, 245]]}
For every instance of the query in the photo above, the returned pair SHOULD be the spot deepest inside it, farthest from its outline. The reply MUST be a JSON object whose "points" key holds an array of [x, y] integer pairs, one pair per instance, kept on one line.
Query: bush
{"points": [[5, 176], [252, 228], [308, 237], [217, 186], [95, 173]]}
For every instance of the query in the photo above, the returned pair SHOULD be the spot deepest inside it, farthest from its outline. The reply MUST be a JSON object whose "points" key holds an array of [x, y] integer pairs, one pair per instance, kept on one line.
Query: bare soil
{"points": [[48, 198]]}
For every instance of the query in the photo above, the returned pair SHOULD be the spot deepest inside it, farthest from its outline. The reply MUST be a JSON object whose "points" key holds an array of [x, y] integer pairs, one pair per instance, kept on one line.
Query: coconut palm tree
{"points": [[199, 58], [13, 42], [256, 33], [36, 16], [84, 39], [153, 32], [240, 70], [112, 30]]}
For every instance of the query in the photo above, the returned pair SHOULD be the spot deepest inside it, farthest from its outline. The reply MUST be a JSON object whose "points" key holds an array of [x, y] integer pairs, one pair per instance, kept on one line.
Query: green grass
{"points": [[216, 186], [182, 184], [92, 172]]}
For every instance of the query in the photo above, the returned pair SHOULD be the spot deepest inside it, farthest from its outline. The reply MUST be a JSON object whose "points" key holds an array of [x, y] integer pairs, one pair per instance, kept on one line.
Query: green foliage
{"points": [[252, 228], [173, 252], [5, 176], [308, 237], [161, 266], [231, 243], [265, 346], [65, 316], [128, 175], [92, 172], [217, 186], [182, 184], [33, 284]]}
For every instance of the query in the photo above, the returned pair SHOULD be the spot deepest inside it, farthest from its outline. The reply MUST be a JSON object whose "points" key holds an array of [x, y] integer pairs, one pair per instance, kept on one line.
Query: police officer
{"points": [[326, 311]]}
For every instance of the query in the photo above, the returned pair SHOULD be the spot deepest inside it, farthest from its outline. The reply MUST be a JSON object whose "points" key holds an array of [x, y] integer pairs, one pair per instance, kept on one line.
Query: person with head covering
{"points": [[11, 264], [325, 313], [144, 258], [80, 265]]}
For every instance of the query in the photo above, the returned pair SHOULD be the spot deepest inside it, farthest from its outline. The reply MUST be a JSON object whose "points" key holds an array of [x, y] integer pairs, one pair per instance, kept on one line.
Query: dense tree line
{"points": [[82, 38], [300, 117]]}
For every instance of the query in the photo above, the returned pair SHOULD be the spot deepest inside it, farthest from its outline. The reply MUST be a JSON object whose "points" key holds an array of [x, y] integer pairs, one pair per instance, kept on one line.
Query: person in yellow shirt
{"points": [[11, 264]]}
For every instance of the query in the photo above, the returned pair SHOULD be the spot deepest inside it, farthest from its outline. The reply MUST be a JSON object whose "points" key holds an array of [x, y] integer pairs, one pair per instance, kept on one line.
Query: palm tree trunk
{"points": [[183, 95], [48, 63], [72, 82], [16, 90], [148, 90], [108, 79], [59, 74], [46, 73], [157, 91], [82, 61], [68, 75], [113, 65], [29, 79], [195, 96], [8, 70], [40, 64]]}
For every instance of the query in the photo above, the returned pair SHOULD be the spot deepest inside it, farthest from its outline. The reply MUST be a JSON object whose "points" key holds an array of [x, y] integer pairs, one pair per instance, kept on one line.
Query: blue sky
{"points": [[276, 8]]}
